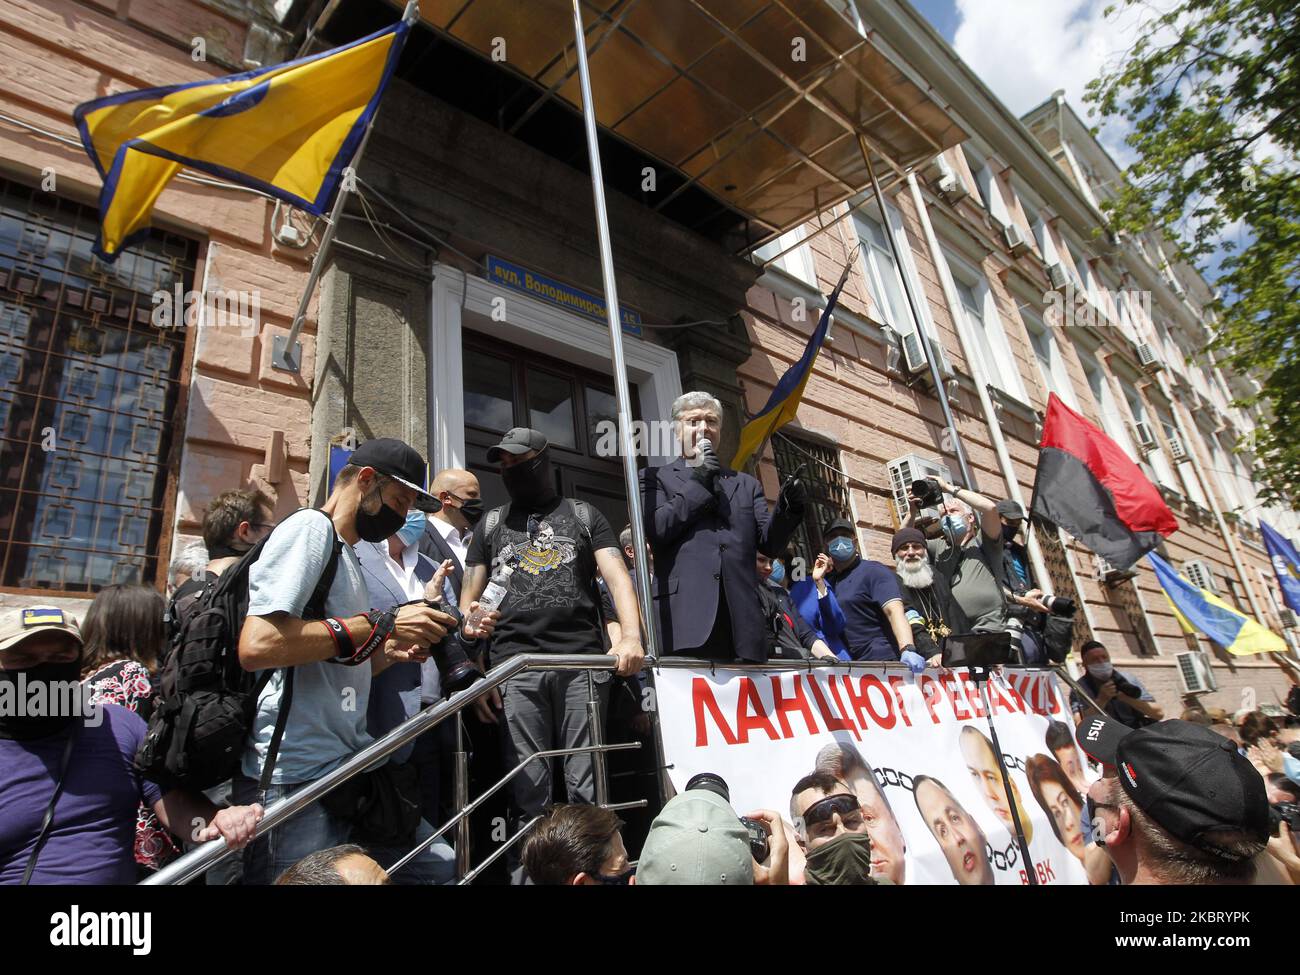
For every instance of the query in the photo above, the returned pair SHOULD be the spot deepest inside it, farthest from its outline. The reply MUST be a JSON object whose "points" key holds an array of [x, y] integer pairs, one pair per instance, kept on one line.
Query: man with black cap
{"points": [[544, 551], [1180, 805], [875, 623], [931, 611], [706, 525], [323, 655]]}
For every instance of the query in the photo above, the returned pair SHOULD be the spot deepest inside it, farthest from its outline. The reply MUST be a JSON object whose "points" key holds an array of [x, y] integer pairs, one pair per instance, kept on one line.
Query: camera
{"points": [[929, 498], [712, 782], [455, 670], [1059, 605], [1284, 812]]}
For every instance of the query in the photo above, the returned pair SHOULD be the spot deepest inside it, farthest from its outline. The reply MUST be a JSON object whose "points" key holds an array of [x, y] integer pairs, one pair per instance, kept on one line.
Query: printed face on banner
{"points": [[916, 754]]}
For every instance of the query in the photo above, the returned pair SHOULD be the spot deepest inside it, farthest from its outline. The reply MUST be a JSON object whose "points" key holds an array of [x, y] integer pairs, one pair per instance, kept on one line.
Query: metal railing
{"points": [[205, 857]]}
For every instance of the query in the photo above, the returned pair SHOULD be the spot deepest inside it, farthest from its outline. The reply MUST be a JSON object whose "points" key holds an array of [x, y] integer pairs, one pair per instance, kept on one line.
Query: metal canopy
{"points": [[714, 89]]}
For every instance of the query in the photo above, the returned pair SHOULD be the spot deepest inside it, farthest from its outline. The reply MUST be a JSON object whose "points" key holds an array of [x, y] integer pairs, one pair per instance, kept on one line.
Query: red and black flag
{"points": [[1087, 485]]}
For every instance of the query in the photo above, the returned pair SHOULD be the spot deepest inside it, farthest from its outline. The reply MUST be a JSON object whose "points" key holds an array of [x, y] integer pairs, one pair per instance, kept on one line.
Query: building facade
{"points": [[459, 297]]}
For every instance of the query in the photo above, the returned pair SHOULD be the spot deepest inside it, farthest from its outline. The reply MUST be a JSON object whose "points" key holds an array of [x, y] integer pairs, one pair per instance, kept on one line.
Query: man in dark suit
{"points": [[706, 525]]}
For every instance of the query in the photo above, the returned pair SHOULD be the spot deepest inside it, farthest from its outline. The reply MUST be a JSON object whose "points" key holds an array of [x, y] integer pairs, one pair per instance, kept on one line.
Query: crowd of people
{"points": [[286, 648]]}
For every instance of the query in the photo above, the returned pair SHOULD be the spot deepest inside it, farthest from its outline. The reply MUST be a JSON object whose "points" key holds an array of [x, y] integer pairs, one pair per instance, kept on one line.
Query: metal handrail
{"points": [[203, 858]]}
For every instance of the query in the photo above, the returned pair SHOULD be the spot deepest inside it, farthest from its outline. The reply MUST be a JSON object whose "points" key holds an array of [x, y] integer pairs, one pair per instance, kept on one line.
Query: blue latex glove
{"points": [[915, 662]]}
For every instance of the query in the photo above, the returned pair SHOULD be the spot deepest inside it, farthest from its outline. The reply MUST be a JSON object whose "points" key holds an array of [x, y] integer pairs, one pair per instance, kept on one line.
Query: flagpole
{"points": [[644, 592], [286, 350]]}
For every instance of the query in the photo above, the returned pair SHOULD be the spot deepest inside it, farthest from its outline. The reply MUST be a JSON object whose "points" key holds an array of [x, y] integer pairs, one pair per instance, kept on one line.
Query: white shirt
{"points": [[459, 545], [390, 583]]}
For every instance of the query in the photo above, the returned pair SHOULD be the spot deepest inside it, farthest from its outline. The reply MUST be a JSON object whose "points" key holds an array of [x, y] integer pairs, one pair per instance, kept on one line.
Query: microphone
{"points": [[704, 445]]}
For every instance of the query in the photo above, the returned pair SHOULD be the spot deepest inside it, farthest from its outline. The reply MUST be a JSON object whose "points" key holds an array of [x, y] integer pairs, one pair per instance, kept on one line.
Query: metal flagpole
{"points": [[941, 393], [641, 573], [286, 350], [645, 595]]}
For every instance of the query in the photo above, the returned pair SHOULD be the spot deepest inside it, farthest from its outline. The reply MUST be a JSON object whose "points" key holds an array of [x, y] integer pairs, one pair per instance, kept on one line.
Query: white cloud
{"points": [[1026, 49]]}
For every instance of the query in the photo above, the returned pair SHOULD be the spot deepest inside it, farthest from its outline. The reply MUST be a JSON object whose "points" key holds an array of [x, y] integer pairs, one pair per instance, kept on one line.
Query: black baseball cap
{"points": [[401, 462], [1011, 510], [1186, 777], [518, 440], [837, 525]]}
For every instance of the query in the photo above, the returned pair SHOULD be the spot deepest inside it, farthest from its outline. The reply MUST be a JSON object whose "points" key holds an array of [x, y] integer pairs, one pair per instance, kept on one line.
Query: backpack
{"points": [[581, 510], [207, 701]]}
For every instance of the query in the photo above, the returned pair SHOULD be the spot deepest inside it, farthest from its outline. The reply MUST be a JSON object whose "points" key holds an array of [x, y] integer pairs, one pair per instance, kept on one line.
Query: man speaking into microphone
{"points": [[706, 525]]}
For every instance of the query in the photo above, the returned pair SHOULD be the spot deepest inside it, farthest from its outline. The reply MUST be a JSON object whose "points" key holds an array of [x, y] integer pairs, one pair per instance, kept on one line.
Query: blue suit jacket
{"points": [[822, 613], [704, 540]]}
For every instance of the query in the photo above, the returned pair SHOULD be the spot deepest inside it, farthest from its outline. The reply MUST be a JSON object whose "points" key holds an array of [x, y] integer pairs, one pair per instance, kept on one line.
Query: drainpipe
{"points": [[981, 381]]}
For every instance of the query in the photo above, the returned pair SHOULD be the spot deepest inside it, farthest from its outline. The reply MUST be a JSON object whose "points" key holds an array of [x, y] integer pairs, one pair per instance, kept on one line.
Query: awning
{"points": [[759, 102]]}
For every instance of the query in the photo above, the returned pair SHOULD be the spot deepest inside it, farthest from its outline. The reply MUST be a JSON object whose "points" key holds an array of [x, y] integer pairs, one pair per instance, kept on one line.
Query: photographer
{"points": [[1041, 624], [967, 556], [1122, 697]]}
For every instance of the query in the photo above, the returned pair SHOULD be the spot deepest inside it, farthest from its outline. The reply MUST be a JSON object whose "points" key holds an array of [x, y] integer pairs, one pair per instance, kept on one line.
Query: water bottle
{"points": [[493, 595]]}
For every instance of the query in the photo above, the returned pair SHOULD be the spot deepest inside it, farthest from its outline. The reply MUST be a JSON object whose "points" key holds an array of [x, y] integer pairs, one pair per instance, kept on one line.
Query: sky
{"points": [[1024, 50]]}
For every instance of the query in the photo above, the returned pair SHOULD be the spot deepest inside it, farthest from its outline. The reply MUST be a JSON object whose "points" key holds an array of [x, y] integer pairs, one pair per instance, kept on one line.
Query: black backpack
{"points": [[207, 701]]}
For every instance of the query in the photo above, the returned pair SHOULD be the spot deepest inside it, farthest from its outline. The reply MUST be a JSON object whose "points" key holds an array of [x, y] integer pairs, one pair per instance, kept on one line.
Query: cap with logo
{"points": [[518, 440], [401, 462], [17, 625], [1011, 510], [696, 839], [1186, 777]]}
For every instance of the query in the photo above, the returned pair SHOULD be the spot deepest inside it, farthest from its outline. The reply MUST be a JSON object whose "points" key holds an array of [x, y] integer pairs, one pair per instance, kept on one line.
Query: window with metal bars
{"points": [[828, 495], [88, 394]]}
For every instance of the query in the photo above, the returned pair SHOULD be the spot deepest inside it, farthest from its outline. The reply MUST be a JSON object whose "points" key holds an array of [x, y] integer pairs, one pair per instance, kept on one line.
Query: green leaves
{"points": [[1211, 89]]}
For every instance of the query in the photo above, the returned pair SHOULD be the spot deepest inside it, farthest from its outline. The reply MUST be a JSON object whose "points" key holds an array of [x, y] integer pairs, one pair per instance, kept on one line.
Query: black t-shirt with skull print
{"points": [[553, 605]]}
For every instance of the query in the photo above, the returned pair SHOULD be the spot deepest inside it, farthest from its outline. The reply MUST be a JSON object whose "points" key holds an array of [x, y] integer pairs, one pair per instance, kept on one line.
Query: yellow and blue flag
{"points": [[784, 401], [1198, 609], [289, 130], [1286, 563]]}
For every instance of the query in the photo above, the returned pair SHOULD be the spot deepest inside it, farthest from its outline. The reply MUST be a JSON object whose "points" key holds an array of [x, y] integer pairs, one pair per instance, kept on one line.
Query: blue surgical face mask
{"points": [[778, 572], [841, 549], [1291, 768], [955, 525], [410, 532]]}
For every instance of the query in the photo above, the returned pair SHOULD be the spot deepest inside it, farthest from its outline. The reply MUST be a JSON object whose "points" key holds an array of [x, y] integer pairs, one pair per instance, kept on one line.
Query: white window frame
{"points": [[994, 331], [798, 263], [1055, 375], [1112, 420], [1046, 243], [990, 189], [1156, 458]]}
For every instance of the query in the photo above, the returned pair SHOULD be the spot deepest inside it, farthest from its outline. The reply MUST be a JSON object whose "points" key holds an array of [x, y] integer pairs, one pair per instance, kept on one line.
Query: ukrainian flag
{"points": [[289, 130], [1197, 609], [784, 401]]}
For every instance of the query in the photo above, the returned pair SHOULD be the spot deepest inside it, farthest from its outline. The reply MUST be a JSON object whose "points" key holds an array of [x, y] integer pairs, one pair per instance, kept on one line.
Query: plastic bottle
{"points": [[493, 595]]}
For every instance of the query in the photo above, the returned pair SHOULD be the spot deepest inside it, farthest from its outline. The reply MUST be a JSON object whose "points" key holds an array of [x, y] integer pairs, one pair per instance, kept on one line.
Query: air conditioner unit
{"points": [[1110, 575], [1199, 574], [945, 179], [1195, 672], [1057, 276], [1176, 448], [1288, 619], [1015, 239], [914, 359], [1145, 436], [1148, 358], [903, 471]]}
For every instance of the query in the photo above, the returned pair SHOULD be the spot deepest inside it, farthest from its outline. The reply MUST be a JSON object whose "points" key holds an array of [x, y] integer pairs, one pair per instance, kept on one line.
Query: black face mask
{"points": [[1009, 532], [471, 508], [380, 526], [19, 694], [531, 484]]}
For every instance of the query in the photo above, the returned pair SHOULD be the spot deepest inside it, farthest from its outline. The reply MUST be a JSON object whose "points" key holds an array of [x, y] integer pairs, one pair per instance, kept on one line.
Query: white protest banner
{"points": [[916, 752]]}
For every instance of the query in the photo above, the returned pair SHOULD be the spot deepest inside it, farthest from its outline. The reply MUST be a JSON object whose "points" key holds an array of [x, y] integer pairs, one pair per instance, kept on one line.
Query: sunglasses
{"points": [[824, 809]]}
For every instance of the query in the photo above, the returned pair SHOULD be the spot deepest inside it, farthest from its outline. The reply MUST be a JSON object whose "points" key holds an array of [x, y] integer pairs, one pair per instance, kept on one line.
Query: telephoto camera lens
{"points": [[1059, 605], [710, 781]]}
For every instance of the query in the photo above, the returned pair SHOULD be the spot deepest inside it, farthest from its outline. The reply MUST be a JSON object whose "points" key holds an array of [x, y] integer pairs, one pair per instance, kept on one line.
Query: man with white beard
{"points": [[927, 601]]}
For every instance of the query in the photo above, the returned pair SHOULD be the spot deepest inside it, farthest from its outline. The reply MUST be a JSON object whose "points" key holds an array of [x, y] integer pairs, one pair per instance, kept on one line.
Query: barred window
{"points": [[828, 495], [88, 396]]}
